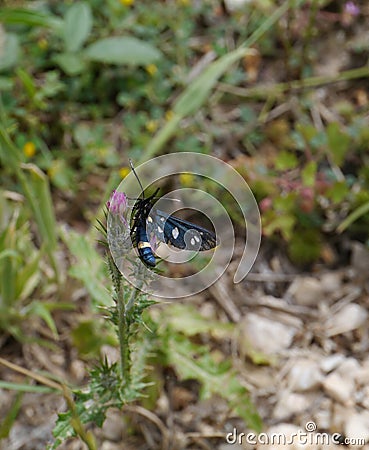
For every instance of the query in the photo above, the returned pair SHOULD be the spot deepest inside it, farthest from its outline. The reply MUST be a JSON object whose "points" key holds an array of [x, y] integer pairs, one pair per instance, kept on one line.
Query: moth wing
{"points": [[182, 234]]}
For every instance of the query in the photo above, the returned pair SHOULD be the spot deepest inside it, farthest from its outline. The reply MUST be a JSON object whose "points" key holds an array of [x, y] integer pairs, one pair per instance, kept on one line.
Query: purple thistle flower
{"points": [[117, 204], [351, 9]]}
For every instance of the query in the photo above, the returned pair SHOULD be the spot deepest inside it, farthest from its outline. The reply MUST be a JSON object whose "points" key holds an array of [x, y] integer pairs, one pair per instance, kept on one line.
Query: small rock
{"points": [[234, 5], [306, 291], [110, 446], [357, 427], [290, 403], [360, 258], [323, 417], [162, 403], [331, 282], [349, 368], [331, 362], [304, 375], [261, 377], [113, 427], [77, 370], [339, 388], [340, 413], [362, 374], [349, 318], [264, 335], [365, 397]]}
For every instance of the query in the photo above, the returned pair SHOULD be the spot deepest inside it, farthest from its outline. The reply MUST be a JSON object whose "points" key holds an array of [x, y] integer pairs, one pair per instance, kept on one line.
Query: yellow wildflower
{"points": [[169, 115], [102, 152], [124, 171], [184, 2], [42, 43], [53, 170], [151, 69], [187, 179], [151, 126], [29, 149], [127, 2]]}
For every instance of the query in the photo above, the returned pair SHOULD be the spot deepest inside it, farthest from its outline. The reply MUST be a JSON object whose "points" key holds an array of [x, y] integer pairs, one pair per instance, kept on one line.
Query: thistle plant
{"points": [[112, 384]]}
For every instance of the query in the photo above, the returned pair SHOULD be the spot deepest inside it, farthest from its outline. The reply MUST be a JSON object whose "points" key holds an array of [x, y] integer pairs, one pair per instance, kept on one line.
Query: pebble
{"points": [[113, 427], [350, 317], [264, 335], [349, 368], [360, 258], [332, 362], [323, 417], [304, 375], [306, 291], [357, 427], [331, 282], [339, 388], [234, 5], [290, 403]]}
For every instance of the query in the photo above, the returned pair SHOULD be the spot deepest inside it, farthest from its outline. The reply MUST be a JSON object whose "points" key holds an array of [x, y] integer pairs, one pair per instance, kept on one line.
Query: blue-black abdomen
{"points": [[143, 245]]}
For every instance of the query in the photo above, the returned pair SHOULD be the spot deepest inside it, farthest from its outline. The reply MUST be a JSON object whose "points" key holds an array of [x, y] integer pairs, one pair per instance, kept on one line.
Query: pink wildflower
{"points": [[117, 204], [352, 9]]}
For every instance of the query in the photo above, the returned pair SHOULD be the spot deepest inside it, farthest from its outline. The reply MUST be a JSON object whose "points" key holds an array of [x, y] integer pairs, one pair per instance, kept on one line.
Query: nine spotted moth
{"points": [[167, 228]]}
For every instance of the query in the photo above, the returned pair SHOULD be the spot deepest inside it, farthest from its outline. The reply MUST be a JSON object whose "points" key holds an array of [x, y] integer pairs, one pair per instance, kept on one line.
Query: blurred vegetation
{"points": [[243, 85]]}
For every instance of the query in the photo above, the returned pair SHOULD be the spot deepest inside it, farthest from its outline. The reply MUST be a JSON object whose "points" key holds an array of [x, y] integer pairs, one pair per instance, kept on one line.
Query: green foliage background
{"points": [[86, 85]]}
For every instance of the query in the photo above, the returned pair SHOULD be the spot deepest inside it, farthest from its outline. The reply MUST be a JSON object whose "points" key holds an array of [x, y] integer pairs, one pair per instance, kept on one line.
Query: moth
{"points": [[167, 228]]}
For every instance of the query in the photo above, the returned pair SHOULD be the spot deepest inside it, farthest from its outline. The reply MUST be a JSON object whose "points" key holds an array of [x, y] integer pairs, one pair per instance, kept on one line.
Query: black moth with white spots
{"points": [[167, 228]]}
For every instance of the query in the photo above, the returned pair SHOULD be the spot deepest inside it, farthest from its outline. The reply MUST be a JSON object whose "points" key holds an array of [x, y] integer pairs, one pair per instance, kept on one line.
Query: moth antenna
{"points": [[135, 174]]}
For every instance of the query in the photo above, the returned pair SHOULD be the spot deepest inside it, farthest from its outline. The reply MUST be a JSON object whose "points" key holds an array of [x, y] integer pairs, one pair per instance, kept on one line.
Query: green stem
{"points": [[123, 336], [124, 306], [261, 92], [86, 436]]}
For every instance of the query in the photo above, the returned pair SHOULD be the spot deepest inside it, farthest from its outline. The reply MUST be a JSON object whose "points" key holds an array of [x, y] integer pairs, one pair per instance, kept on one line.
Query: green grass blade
{"points": [[9, 419], [36, 188], [8, 267], [351, 218], [41, 202], [25, 387]]}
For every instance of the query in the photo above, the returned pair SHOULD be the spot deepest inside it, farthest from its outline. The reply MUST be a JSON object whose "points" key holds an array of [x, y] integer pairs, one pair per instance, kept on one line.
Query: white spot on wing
{"points": [[162, 219], [160, 229], [192, 241], [149, 219], [175, 232], [197, 239]]}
